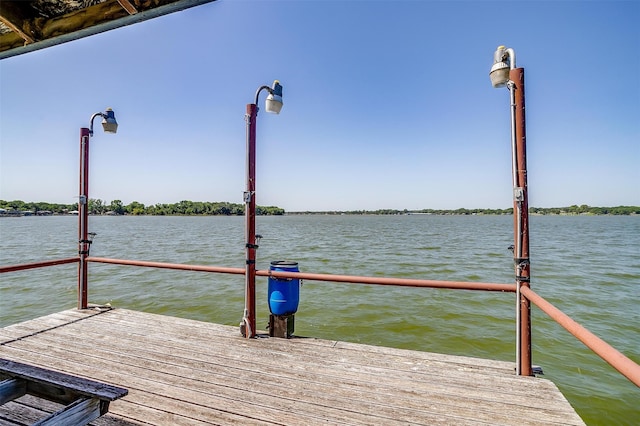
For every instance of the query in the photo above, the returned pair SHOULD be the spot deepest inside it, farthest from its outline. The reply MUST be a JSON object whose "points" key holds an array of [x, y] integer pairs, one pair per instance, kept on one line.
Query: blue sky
{"points": [[387, 104]]}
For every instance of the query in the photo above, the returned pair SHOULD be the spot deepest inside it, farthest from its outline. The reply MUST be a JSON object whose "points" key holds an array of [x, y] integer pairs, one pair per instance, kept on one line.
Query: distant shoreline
{"points": [[222, 208], [616, 211]]}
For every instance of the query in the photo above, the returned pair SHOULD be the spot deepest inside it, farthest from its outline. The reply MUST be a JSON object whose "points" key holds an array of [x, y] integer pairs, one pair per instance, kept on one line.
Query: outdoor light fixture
{"points": [[274, 100], [109, 123], [504, 60], [85, 238], [273, 104]]}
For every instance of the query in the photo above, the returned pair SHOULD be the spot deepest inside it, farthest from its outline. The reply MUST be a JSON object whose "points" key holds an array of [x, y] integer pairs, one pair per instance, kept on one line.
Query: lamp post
{"points": [[504, 73], [273, 104], [110, 125]]}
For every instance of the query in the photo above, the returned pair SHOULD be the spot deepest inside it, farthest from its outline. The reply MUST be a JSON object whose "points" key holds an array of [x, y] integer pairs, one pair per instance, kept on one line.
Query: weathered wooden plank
{"points": [[197, 401], [413, 401], [259, 369], [42, 324], [322, 362], [185, 327], [465, 379], [15, 413], [181, 371], [79, 412], [292, 349], [146, 388], [60, 383], [278, 377], [86, 399], [30, 409], [11, 389]]}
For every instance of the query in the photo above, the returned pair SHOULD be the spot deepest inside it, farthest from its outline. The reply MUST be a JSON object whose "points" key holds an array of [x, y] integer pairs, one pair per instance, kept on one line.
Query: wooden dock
{"points": [[185, 372]]}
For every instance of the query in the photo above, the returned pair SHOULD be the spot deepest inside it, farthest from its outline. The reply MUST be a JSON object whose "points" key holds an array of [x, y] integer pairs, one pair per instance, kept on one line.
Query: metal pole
{"points": [[248, 325], [516, 213], [83, 218], [521, 224]]}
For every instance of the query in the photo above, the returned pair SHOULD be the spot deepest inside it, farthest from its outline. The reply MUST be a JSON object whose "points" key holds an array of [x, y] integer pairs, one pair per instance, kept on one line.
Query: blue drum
{"points": [[284, 293]]}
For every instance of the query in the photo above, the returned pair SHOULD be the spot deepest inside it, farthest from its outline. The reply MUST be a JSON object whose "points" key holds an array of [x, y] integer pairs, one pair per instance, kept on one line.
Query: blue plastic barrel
{"points": [[284, 293]]}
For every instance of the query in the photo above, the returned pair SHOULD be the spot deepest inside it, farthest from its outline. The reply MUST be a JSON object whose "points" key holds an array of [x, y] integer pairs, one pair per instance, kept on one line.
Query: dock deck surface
{"points": [[186, 372]]}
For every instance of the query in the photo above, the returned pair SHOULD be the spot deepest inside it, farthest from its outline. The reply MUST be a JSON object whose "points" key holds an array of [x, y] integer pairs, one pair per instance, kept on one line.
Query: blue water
{"points": [[588, 266]]}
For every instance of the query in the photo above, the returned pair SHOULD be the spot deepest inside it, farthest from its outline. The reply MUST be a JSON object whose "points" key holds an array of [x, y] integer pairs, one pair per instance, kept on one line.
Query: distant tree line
{"points": [[205, 208], [571, 210], [117, 207]]}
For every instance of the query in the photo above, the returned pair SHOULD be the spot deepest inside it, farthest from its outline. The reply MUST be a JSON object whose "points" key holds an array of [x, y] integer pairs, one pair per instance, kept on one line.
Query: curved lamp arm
{"points": [[260, 89]]}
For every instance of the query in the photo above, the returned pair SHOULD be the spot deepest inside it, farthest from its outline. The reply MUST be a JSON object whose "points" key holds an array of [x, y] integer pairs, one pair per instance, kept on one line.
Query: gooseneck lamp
{"points": [[110, 125], [504, 73], [504, 60], [273, 104]]}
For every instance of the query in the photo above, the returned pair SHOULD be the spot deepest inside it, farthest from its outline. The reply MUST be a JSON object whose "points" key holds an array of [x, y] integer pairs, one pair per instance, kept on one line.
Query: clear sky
{"points": [[387, 104]]}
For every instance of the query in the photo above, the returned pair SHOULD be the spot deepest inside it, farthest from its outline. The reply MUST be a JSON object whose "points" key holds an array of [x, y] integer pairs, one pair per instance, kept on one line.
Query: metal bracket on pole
{"points": [[518, 194], [246, 195]]}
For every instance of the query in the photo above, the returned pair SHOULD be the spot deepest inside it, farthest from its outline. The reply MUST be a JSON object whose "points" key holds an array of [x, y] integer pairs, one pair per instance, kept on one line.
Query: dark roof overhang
{"points": [[26, 26]]}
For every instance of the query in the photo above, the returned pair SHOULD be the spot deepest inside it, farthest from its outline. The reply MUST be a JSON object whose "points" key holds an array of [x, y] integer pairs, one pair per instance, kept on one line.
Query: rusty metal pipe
{"points": [[34, 265], [354, 279], [163, 265], [248, 325], [616, 359], [402, 282], [83, 217], [521, 221]]}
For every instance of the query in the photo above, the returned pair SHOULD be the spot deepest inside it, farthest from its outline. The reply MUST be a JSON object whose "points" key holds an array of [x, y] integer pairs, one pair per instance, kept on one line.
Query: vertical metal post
{"points": [[521, 223], [83, 218], [249, 320]]}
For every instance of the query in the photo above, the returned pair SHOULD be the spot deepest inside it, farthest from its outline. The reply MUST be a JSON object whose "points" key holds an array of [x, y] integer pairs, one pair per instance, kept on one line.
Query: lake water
{"points": [[588, 266]]}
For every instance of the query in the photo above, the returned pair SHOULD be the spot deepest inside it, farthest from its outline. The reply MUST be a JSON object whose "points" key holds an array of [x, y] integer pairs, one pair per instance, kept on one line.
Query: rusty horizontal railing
{"points": [[616, 359], [163, 265], [612, 356], [25, 266], [406, 282], [402, 282]]}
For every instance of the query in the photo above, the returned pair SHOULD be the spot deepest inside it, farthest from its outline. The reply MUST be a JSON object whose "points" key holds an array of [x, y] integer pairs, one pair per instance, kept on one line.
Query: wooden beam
{"points": [[15, 16], [83, 18], [11, 389], [126, 4], [59, 387], [80, 412]]}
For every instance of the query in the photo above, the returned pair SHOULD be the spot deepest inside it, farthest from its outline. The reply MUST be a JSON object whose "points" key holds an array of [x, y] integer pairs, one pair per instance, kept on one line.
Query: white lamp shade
{"points": [[499, 74], [273, 103], [109, 123]]}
